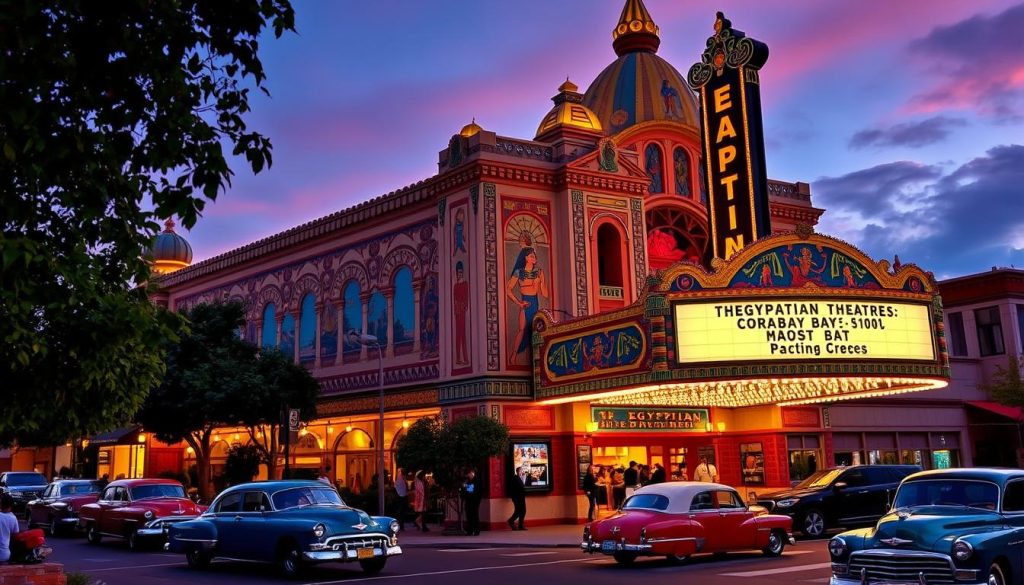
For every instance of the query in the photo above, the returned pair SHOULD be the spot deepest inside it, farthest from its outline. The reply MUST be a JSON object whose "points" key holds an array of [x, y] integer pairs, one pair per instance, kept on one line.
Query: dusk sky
{"points": [[907, 116]]}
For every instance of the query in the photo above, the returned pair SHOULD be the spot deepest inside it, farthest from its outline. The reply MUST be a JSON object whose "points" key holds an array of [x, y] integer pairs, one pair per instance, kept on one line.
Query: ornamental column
{"points": [[296, 336], [278, 321], [389, 295]]}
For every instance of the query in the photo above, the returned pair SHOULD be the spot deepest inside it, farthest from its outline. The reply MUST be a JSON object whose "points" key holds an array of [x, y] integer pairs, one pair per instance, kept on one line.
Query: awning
{"points": [[125, 435], [1011, 412]]}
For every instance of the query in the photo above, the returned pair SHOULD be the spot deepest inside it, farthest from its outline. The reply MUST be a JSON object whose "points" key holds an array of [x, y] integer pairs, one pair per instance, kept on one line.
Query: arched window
{"points": [[269, 326], [405, 311], [328, 333], [653, 164], [352, 319], [287, 345], [378, 320], [609, 256], [681, 171], [307, 329]]}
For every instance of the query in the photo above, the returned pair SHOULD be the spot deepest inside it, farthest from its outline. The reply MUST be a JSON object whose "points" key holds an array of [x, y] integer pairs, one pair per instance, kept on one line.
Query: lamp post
{"points": [[371, 341]]}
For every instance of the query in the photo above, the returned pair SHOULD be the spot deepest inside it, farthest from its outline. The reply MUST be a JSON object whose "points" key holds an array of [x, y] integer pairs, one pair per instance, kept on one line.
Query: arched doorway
{"points": [[353, 460]]}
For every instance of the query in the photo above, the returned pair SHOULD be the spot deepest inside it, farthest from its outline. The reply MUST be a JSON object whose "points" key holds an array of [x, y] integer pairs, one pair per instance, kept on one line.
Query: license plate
{"points": [[608, 546], [364, 553]]}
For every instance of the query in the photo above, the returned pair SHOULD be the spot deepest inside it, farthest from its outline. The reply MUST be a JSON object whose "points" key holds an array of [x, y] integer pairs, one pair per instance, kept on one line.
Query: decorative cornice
{"points": [[486, 388]]}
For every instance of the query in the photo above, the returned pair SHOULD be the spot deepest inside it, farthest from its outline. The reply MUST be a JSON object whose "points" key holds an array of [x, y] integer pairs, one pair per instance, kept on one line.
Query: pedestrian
{"points": [[402, 501], [419, 488], [618, 487], [681, 471], [706, 471], [325, 475], [631, 476], [643, 477], [517, 492], [8, 526], [658, 475], [590, 489], [471, 501]]}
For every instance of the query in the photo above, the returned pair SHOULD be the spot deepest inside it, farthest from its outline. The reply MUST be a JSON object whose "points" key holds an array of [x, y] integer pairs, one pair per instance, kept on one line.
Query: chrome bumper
{"points": [[349, 554], [148, 532], [589, 546]]}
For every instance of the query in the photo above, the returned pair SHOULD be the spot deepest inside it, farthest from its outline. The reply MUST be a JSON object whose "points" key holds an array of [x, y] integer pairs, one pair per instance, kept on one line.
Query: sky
{"points": [[906, 117]]}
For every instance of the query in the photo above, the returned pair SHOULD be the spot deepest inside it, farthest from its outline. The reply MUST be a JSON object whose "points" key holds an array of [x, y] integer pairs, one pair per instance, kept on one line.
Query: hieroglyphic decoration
{"points": [[639, 258], [441, 203], [398, 375], [491, 274], [371, 402], [580, 248], [474, 196], [514, 388], [592, 353], [495, 412], [529, 417]]}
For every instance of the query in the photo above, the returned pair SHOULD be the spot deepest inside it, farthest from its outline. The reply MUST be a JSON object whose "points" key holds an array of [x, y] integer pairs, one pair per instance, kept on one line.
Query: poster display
{"points": [[534, 457], [752, 463], [584, 459]]}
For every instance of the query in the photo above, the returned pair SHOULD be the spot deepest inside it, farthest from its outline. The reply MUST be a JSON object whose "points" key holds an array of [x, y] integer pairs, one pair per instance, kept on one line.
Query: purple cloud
{"points": [[912, 134]]}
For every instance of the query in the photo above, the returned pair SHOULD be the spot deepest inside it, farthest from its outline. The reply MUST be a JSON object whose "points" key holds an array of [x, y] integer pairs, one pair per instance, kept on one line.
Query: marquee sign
{"points": [[789, 329], [639, 419], [733, 138]]}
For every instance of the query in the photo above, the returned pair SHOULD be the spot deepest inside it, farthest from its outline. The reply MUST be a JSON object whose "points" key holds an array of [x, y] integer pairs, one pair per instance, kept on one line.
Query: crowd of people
{"points": [[610, 485]]}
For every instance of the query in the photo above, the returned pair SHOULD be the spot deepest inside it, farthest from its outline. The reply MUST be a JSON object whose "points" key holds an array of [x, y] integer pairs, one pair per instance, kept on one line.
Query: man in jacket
{"points": [[517, 492], [471, 500], [590, 489]]}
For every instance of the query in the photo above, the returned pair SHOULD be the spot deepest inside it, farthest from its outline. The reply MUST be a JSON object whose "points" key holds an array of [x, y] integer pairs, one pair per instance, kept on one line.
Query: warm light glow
{"points": [[85, 443], [190, 451], [721, 426], [330, 430], [591, 427], [303, 432], [348, 428], [405, 423], [216, 437], [142, 437], [708, 427], [237, 436], [68, 444]]}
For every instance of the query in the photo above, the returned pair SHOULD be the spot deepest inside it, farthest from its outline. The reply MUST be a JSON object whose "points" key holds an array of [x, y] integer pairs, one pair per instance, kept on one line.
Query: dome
{"points": [[470, 129], [568, 112], [639, 86], [170, 251]]}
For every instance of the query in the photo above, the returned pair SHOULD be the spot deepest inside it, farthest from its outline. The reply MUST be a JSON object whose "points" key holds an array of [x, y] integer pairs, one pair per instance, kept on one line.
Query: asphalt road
{"points": [[111, 563]]}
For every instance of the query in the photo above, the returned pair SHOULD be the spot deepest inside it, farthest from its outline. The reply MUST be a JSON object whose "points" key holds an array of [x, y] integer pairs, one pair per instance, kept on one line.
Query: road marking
{"points": [[451, 572], [780, 570], [462, 550], [531, 554], [133, 567]]}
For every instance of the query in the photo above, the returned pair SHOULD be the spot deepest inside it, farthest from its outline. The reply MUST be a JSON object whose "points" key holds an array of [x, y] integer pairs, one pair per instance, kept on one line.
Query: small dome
{"points": [[470, 129], [569, 111], [170, 251]]}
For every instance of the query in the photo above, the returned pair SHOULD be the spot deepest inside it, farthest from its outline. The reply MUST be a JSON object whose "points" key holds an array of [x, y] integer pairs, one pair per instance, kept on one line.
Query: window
{"points": [[287, 345], [990, 331], [702, 501], [958, 341], [352, 318], [681, 171], [647, 501], [230, 503], [803, 456], [854, 478], [255, 502], [609, 256], [109, 494], [729, 500], [378, 319], [48, 492], [404, 326], [848, 458], [1013, 497], [654, 167], [269, 338], [307, 329], [882, 457]]}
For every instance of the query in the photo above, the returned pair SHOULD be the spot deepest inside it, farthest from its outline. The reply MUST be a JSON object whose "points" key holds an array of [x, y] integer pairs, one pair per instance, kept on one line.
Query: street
{"points": [[436, 561]]}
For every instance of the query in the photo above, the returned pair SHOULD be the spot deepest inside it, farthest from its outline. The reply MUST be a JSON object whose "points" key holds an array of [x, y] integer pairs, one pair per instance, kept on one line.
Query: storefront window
{"points": [[804, 455], [848, 458], [945, 458], [885, 457], [912, 457], [990, 331]]}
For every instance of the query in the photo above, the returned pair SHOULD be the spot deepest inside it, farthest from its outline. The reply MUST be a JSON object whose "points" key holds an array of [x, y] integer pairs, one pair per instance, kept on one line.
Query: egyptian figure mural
{"points": [[328, 333], [681, 170], [403, 327], [307, 329], [527, 262], [352, 320], [652, 158], [461, 330]]}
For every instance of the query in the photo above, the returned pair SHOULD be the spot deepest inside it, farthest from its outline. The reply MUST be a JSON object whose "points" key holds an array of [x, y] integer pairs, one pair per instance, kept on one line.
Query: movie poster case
{"points": [[535, 456]]}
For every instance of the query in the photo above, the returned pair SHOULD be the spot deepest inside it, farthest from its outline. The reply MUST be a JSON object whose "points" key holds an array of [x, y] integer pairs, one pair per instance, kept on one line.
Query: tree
{"points": [[242, 464], [1007, 385], [114, 115]]}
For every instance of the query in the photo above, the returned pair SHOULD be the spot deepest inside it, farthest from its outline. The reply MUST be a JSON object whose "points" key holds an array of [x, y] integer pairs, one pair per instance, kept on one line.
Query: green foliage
{"points": [[115, 115], [447, 450], [242, 464], [75, 578], [1007, 385]]}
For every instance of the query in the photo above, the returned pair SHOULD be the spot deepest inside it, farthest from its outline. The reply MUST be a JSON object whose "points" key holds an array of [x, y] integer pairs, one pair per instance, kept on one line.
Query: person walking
{"points": [[590, 489], [618, 488], [471, 500], [658, 475], [517, 493], [8, 526], [706, 471], [402, 501], [419, 488]]}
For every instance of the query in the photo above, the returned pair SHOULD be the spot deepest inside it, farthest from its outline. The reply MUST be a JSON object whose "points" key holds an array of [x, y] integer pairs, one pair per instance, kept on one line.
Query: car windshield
{"points": [[647, 502], [306, 496], [157, 490], [19, 479], [946, 492], [819, 479], [74, 489]]}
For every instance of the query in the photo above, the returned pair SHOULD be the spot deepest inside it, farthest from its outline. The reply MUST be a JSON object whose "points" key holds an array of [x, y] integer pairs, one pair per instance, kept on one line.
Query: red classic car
{"points": [[138, 510], [677, 519], [57, 507]]}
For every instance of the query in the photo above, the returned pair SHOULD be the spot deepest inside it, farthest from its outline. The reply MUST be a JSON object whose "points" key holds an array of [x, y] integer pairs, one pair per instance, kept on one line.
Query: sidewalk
{"points": [[563, 535]]}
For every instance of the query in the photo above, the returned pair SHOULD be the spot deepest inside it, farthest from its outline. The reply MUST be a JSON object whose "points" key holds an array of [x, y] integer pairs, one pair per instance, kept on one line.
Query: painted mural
{"points": [[351, 319], [527, 244], [681, 171], [460, 268], [798, 265], [307, 330], [328, 333], [287, 345], [404, 326], [377, 319], [618, 348], [269, 338], [429, 313], [653, 166]]}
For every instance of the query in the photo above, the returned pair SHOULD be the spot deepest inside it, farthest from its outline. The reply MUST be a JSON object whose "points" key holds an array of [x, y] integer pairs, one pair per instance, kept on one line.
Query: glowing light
{"points": [[190, 451], [721, 426], [405, 423], [348, 428], [330, 430], [142, 437], [709, 427], [237, 436], [303, 432], [85, 443], [591, 427]]}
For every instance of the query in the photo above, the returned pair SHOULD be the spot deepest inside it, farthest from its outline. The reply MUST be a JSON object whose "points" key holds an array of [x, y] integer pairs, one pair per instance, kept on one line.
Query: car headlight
{"points": [[319, 530], [394, 526], [962, 550], [787, 503], [148, 515], [837, 547]]}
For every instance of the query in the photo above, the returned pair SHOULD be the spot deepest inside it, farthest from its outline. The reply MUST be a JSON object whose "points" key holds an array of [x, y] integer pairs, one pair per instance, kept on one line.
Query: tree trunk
{"points": [[205, 481]]}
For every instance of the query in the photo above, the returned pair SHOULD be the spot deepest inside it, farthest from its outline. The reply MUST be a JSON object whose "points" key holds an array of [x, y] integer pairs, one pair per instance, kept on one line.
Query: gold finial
{"points": [[636, 30]]}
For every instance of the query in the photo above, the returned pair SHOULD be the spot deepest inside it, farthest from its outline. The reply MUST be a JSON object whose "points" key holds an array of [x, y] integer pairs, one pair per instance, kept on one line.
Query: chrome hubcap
{"points": [[814, 523], [993, 579], [774, 542]]}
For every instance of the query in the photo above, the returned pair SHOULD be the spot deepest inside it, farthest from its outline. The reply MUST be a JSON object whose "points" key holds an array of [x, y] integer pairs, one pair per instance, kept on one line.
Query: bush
{"points": [[78, 579], [242, 464]]}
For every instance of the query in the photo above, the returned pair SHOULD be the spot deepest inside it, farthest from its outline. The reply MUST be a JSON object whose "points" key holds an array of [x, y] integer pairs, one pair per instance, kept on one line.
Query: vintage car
{"points": [[57, 507], [960, 526], [292, 523], [677, 519], [138, 510], [23, 487]]}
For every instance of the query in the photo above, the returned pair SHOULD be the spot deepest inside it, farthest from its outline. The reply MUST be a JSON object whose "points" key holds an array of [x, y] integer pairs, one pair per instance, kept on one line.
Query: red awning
{"points": [[1010, 412]]}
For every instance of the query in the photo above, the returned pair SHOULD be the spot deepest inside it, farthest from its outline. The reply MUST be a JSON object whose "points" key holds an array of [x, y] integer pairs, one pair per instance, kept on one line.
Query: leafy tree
{"points": [[1007, 385], [242, 464], [448, 450], [108, 110]]}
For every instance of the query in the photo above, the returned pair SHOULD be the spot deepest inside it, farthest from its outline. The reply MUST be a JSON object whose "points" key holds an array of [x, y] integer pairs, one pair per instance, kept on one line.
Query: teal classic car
{"points": [[959, 526], [291, 523]]}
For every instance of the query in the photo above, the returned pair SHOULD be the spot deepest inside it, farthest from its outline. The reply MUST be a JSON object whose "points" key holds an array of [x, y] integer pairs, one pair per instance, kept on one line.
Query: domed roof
{"points": [[639, 86], [470, 129], [568, 112], [170, 251]]}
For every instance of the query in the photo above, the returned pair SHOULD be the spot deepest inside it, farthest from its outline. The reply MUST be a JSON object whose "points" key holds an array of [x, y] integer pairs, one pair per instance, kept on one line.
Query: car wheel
{"points": [[813, 524], [290, 562], [54, 529], [677, 559], [133, 541], [92, 535], [996, 575], [373, 566], [776, 544], [624, 558], [196, 558]]}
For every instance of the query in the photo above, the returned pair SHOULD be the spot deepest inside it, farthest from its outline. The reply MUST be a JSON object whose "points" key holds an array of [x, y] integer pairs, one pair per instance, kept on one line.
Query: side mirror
{"points": [[839, 485]]}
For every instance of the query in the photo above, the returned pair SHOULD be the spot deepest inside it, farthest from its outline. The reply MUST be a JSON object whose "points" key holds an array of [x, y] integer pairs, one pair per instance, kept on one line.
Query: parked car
{"points": [[292, 523], [23, 486], [139, 510], [57, 507], [946, 526], [842, 497], [678, 519]]}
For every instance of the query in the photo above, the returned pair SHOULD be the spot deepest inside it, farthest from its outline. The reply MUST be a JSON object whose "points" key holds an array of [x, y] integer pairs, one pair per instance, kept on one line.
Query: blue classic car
{"points": [[293, 523], [961, 526]]}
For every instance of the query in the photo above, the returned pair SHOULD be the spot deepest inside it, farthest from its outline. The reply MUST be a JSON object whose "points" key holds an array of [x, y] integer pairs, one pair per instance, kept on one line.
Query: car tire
{"points": [[92, 535], [776, 544], [624, 558], [677, 559], [996, 576], [812, 523], [289, 562], [373, 566], [54, 529], [196, 558], [133, 541]]}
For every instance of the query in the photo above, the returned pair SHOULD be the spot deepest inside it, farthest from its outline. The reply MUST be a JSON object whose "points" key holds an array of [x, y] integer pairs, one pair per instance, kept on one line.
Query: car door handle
{"points": [[237, 518]]}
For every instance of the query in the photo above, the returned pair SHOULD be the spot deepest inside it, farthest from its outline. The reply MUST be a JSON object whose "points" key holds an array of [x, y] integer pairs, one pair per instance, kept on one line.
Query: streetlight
{"points": [[371, 341]]}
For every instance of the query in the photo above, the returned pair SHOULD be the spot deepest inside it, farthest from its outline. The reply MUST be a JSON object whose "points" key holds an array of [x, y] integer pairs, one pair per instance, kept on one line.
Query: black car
{"points": [[841, 497], [24, 486]]}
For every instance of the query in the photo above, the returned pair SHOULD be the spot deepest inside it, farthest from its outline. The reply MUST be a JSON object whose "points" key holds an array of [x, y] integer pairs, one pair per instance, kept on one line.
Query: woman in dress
{"points": [[420, 501], [531, 284]]}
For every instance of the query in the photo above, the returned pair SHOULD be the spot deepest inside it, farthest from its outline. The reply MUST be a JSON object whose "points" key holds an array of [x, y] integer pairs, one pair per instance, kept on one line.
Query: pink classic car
{"points": [[138, 510], [678, 519]]}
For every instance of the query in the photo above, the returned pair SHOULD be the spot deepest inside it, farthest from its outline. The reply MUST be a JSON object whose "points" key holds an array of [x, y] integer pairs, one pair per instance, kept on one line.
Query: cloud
{"points": [[912, 134], [952, 224], [979, 63]]}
